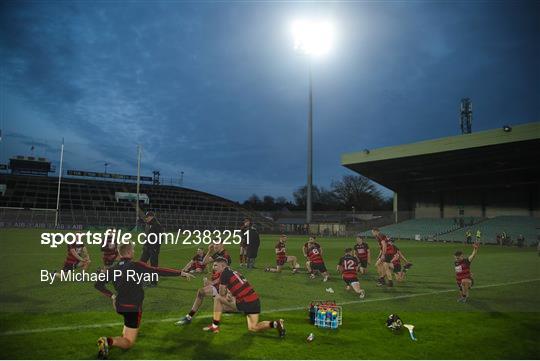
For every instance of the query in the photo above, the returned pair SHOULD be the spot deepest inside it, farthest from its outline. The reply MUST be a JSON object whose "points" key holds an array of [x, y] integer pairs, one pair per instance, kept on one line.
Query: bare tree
{"points": [[357, 191]]}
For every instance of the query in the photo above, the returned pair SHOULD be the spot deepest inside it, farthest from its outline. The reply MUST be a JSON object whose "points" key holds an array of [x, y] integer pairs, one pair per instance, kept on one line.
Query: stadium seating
{"points": [[448, 230], [512, 225], [423, 227], [32, 199]]}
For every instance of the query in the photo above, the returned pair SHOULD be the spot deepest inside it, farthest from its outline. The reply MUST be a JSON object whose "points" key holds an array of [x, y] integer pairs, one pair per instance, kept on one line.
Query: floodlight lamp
{"points": [[313, 38]]}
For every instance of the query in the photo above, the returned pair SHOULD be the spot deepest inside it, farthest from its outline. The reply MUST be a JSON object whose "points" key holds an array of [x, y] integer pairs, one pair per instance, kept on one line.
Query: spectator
{"points": [[468, 236], [478, 236], [520, 241]]}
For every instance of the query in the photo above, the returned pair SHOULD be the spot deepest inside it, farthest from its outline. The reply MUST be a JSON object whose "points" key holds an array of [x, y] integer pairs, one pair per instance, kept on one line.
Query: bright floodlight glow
{"points": [[312, 37]]}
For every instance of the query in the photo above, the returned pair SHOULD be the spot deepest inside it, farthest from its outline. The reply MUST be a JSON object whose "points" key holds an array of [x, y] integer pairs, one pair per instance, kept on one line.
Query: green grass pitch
{"points": [[63, 321]]}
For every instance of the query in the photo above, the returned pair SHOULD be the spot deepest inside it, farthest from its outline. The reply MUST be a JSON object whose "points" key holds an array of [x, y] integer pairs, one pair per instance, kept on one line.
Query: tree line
{"points": [[351, 191]]}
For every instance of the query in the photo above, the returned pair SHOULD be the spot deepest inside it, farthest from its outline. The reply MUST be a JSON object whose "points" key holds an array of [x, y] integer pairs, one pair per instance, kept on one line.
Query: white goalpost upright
{"points": [[59, 183]]}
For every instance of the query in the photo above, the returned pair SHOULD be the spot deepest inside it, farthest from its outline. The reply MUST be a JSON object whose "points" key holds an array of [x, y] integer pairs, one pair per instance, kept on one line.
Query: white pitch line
{"points": [[114, 324]]}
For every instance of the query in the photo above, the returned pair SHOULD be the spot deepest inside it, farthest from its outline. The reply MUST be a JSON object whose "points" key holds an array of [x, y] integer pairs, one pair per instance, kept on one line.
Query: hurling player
{"points": [[362, 252], [398, 270], [129, 296], [196, 264], [282, 258], [210, 289], [380, 264], [246, 301], [77, 256], [348, 267], [215, 251], [109, 251], [316, 262], [462, 267]]}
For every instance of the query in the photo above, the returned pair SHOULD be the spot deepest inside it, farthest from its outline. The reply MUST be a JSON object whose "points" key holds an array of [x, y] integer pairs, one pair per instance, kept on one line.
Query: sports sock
{"points": [[273, 324], [109, 341], [192, 313], [215, 323]]}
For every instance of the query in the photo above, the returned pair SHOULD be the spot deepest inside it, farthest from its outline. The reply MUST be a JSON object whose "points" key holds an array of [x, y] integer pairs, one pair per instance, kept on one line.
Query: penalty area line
{"points": [[114, 324]]}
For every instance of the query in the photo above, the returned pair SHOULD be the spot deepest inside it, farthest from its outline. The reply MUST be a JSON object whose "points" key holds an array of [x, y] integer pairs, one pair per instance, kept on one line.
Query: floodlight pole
{"points": [[138, 184], [59, 182], [310, 152]]}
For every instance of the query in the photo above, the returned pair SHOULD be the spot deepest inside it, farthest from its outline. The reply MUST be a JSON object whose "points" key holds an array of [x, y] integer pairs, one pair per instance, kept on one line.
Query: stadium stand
{"points": [[491, 177], [513, 226], [32, 199], [423, 228]]}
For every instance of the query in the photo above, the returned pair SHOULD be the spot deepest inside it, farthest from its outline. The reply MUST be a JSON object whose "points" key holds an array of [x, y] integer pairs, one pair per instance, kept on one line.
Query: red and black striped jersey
{"points": [[238, 286], [463, 269], [70, 258], [222, 254], [391, 249], [281, 252], [198, 262], [109, 250], [314, 253], [361, 251], [349, 267]]}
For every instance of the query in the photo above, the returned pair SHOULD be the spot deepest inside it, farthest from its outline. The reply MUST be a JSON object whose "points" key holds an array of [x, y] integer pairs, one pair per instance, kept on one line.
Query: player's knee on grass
{"points": [[130, 336], [253, 323]]}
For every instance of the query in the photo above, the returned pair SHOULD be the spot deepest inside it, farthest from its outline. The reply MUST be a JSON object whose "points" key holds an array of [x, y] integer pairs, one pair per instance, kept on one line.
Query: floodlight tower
{"points": [[465, 116], [313, 39]]}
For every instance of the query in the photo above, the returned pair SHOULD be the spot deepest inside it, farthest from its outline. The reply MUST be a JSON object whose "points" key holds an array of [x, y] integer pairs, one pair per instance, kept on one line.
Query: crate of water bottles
{"points": [[325, 314]]}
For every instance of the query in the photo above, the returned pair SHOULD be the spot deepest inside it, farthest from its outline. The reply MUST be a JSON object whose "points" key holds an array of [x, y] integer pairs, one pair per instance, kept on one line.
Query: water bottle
{"points": [[334, 320], [328, 318]]}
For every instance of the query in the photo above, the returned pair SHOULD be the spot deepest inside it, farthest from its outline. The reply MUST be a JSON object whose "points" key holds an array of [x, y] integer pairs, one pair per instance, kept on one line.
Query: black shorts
{"points": [[281, 262], [349, 281], [249, 308], [363, 263], [388, 258], [397, 268], [318, 267], [132, 319], [70, 266]]}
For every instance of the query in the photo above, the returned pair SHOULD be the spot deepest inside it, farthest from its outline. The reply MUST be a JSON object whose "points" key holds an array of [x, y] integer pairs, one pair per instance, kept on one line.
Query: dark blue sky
{"points": [[216, 89]]}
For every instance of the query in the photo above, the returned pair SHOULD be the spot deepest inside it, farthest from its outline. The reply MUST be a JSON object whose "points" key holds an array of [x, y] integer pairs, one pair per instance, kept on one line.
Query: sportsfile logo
{"points": [[182, 237]]}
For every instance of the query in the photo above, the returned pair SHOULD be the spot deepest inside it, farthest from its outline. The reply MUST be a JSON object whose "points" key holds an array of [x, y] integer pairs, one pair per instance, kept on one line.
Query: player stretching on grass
{"points": [[109, 251], [316, 262], [77, 256], [282, 258], [246, 301], [196, 264], [380, 264], [348, 267], [362, 253], [215, 251], [210, 289], [464, 277], [129, 296], [305, 253], [398, 270]]}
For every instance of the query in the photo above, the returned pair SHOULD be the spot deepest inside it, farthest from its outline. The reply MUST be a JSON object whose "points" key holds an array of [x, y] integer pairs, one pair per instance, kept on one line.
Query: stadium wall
{"points": [[482, 203]]}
